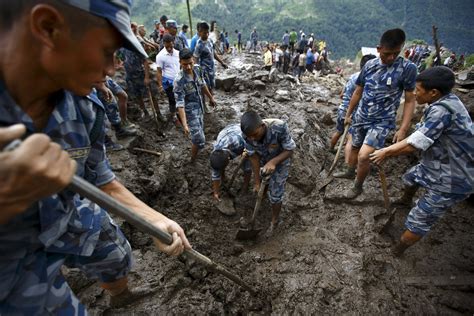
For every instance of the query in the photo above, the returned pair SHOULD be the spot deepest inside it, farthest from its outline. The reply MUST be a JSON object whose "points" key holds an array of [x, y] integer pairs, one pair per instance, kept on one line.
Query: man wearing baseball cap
{"points": [[172, 29], [53, 53]]}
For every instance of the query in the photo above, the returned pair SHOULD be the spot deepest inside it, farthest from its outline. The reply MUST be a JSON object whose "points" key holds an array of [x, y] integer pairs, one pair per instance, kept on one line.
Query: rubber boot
{"points": [[110, 145], [406, 199], [347, 172], [123, 132], [355, 191], [407, 240]]}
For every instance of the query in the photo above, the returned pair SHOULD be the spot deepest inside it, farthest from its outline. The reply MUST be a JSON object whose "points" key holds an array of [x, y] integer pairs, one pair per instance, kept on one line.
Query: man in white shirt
{"points": [[167, 61]]}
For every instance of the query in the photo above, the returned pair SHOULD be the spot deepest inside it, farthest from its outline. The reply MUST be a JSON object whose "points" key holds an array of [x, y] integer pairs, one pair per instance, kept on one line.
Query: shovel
{"points": [[94, 194], [251, 232], [329, 176]]}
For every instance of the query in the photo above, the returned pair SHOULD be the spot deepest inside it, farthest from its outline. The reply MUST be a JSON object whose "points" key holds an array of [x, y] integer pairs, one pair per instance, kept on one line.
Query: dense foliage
{"points": [[344, 24]]}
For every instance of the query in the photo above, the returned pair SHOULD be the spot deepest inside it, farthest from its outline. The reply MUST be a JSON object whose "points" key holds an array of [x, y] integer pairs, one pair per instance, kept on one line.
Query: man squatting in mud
{"points": [[229, 145], [269, 145], [445, 137], [52, 54], [189, 87]]}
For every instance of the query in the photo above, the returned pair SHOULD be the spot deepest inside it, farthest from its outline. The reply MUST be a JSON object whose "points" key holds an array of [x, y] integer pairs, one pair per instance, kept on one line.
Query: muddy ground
{"points": [[328, 256]]}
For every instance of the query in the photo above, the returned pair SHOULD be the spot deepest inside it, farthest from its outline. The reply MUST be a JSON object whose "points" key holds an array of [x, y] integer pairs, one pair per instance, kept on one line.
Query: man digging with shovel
{"points": [[229, 145], [269, 145]]}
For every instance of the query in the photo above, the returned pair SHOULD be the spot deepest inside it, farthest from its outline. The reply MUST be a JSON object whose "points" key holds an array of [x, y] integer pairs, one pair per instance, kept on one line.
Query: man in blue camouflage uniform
{"points": [[189, 88], [204, 55], [380, 86], [229, 145], [172, 29], [445, 137], [341, 112], [106, 92], [43, 225], [137, 77], [269, 145]]}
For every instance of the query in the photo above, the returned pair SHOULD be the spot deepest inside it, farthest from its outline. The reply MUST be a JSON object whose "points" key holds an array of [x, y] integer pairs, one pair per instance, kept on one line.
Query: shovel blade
{"points": [[247, 234]]}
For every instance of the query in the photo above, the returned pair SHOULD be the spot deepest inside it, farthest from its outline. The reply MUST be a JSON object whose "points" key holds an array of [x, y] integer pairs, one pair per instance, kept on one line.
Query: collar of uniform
{"points": [[11, 113]]}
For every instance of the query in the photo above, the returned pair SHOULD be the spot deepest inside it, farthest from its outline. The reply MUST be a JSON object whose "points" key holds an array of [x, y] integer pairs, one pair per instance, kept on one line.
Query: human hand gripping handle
{"points": [[378, 156], [31, 170]]}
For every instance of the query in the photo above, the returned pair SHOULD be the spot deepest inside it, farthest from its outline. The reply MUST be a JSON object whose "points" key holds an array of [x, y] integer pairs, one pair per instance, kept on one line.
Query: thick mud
{"points": [[328, 256]]}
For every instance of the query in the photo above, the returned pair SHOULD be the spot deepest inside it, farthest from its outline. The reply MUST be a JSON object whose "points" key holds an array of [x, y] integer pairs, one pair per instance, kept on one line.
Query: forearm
{"points": [[116, 190], [218, 58], [207, 93], [182, 117], [255, 162], [400, 148], [284, 155], [159, 77], [356, 96], [408, 110]]}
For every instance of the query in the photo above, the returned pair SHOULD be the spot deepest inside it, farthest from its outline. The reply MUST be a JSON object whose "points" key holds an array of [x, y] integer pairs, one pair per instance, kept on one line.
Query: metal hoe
{"points": [[89, 191]]}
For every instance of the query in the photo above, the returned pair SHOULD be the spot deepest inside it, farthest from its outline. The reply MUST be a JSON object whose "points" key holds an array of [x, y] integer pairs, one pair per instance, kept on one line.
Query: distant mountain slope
{"points": [[344, 24]]}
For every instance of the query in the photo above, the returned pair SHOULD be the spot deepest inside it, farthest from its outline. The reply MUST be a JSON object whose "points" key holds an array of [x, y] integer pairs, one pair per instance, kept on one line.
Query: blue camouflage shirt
{"points": [[188, 91], [276, 139], [204, 53], [133, 64], [230, 139], [64, 222], [446, 137], [349, 89], [383, 87]]}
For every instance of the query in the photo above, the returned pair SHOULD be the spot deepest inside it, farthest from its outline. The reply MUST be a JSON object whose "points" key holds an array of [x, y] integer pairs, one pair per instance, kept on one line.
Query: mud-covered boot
{"points": [[407, 198], [123, 132], [111, 145], [399, 249], [354, 192], [347, 172], [130, 296]]}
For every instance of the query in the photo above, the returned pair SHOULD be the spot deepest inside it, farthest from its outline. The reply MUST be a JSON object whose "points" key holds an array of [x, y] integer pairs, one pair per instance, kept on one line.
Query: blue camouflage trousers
{"points": [[276, 185], [195, 118], [209, 78], [372, 135], [429, 208], [39, 288]]}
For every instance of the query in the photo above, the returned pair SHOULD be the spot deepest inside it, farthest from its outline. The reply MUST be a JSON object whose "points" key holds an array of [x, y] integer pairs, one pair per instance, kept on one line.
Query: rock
{"points": [[225, 82], [334, 101], [259, 85], [259, 75]]}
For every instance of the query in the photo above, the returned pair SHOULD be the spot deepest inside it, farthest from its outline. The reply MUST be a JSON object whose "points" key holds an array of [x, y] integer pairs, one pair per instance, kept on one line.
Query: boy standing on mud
{"points": [[380, 86], [445, 137], [269, 145], [189, 87]]}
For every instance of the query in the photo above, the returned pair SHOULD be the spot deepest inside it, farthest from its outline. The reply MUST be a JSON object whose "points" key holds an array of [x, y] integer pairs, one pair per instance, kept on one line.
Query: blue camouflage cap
{"points": [[117, 12]]}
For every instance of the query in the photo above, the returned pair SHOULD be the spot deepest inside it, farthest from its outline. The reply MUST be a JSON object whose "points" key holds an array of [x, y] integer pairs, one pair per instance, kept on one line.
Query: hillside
{"points": [[344, 24]]}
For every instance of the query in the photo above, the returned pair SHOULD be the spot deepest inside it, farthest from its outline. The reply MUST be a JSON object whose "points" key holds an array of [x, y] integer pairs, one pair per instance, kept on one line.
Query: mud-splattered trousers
{"points": [[204, 54], [63, 228], [111, 106], [383, 87], [276, 139], [135, 76], [188, 95], [231, 140], [446, 169]]}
